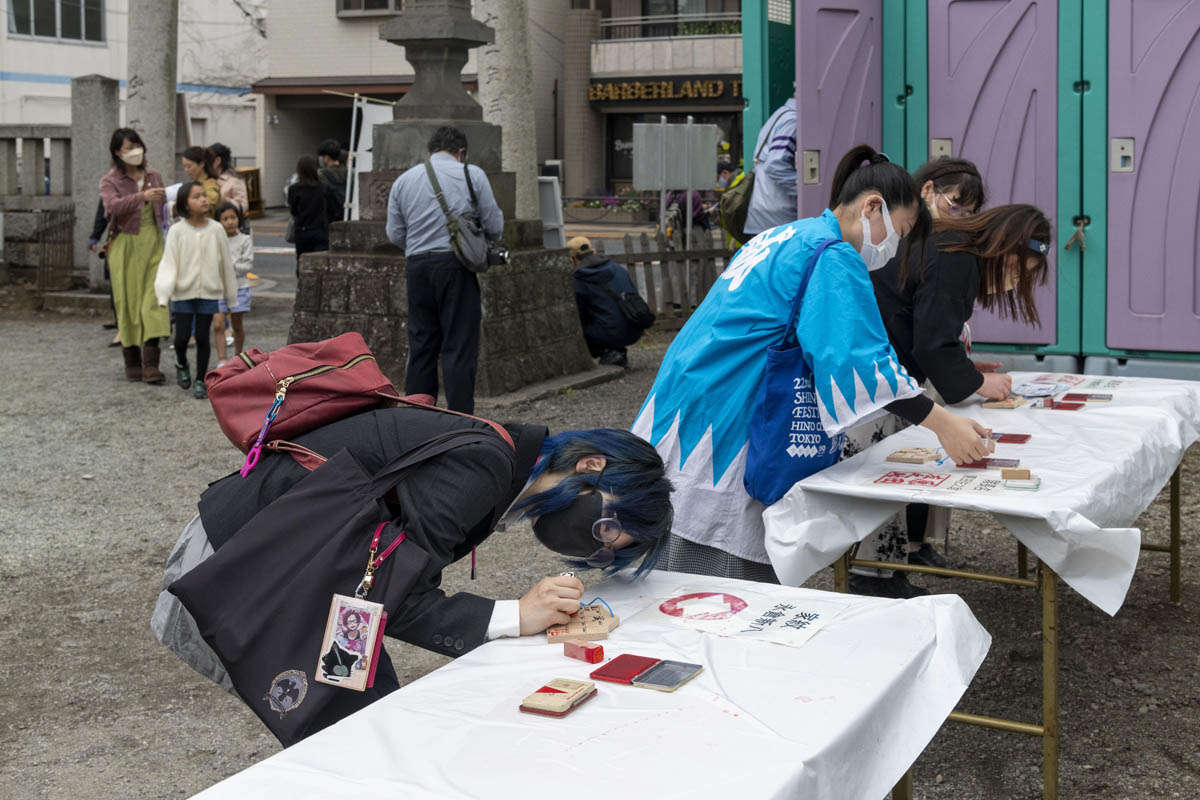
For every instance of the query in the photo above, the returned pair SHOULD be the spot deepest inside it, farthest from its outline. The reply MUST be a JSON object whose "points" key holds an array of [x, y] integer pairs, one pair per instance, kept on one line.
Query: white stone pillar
{"points": [[95, 111], [506, 94], [151, 83]]}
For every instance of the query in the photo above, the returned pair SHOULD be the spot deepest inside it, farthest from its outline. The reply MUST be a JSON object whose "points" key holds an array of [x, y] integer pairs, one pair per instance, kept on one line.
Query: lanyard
{"points": [[374, 561]]}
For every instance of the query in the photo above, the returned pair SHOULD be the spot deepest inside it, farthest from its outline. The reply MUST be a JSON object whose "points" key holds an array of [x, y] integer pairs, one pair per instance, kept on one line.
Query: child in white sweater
{"points": [[196, 271], [241, 249]]}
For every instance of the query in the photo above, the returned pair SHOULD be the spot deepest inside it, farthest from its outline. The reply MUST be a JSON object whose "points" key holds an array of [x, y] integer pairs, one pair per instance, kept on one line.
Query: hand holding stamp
{"points": [[551, 601]]}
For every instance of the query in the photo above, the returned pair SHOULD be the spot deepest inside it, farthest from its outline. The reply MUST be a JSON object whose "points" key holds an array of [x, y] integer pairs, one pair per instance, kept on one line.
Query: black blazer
{"points": [[924, 318], [447, 506]]}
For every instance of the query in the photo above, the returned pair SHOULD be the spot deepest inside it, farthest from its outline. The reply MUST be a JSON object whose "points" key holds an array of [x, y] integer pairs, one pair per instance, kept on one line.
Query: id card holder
{"points": [[350, 647]]}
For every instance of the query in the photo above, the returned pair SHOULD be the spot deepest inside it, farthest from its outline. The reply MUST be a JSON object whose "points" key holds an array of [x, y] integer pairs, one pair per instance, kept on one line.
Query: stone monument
{"points": [[530, 329], [94, 117], [151, 87], [506, 93]]}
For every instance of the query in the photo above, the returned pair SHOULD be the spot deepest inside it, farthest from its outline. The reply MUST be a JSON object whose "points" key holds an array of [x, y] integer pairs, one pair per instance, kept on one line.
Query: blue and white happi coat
{"points": [[697, 414]]}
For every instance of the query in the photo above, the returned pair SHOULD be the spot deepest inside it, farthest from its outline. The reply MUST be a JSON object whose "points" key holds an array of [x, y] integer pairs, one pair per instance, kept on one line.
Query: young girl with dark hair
{"points": [[698, 411], [196, 271], [133, 198], [241, 250]]}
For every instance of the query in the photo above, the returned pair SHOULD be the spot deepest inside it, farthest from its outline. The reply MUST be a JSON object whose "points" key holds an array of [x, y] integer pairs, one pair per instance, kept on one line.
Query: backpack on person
{"points": [[734, 205], [467, 236], [633, 307]]}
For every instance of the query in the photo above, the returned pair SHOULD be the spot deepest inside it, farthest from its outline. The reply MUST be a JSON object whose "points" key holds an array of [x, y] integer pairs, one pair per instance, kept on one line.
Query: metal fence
{"points": [[57, 250], [715, 24]]}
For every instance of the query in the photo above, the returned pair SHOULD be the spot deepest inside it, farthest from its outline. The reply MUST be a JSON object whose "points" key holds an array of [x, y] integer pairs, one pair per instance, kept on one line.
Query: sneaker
{"points": [[896, 586], [614, 358], [199, 390], [220, 364], [927, 557], [182, 377]]}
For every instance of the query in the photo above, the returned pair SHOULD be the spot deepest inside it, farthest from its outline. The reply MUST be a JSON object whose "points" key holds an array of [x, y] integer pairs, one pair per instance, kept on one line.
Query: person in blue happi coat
{"points": [[697, 413]]}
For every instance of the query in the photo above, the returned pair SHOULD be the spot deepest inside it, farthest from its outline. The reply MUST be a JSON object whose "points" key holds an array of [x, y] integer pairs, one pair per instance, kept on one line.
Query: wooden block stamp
{"points": [[1012, 402], [914, 455], [1014, 474], [592, 623]]}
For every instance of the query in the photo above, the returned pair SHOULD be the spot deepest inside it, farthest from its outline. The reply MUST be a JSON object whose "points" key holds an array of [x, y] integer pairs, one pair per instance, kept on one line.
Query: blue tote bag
{"points": [[787, 440]]}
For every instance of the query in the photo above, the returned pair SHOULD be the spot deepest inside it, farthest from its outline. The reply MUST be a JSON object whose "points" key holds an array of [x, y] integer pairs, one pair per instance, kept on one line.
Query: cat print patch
{"points": [[287, 691]]}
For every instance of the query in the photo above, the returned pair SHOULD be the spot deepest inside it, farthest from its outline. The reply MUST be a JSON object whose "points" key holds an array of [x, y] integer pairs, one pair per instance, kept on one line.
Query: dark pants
{"points": [[185, 326], [443, 318], [310, 241]]}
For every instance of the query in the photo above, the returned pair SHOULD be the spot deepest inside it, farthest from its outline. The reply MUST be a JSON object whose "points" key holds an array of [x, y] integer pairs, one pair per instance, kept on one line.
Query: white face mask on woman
{"points": [[878, 255], [134, 157]]}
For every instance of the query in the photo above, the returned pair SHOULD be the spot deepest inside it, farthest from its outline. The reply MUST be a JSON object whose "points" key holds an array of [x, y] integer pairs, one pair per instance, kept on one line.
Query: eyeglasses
{"points": [[605, 530], [952, 209]]}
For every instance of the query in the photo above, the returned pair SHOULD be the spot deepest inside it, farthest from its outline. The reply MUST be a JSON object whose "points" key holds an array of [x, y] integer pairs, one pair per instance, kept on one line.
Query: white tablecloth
{"points": [[841, 717], [1100, 467]]}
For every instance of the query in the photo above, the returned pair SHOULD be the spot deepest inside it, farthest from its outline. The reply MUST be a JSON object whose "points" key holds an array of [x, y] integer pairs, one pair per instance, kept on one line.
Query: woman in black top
{"points": [[309, 201], [995, 257]]}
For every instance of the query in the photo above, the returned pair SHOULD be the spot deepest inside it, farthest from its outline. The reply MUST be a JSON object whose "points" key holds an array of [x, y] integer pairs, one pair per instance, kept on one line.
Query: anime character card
{"points": [[350, 648]]}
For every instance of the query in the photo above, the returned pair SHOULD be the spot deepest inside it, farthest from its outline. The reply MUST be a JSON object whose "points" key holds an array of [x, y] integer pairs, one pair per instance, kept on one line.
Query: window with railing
{"points": [[708, 24], [65, 20]]}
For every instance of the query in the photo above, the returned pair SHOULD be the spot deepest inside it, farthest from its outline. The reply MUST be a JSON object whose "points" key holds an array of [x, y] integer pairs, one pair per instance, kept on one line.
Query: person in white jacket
{"points": [[241, 250], [196, 271]]}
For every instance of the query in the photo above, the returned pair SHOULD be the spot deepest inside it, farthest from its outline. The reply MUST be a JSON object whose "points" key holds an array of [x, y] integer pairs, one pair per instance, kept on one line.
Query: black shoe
{"points": [[896, 586], [616, 358], [182, 377], [927, 557], [199, 390]]}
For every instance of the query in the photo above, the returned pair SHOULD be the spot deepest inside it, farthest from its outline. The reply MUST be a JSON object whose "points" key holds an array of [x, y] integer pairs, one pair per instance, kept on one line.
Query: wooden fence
{"points": [[673, 282]]}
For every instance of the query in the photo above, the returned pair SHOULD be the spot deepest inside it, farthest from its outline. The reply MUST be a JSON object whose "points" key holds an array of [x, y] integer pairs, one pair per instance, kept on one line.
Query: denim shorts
{"points": [[197, 306], [243, 302]]}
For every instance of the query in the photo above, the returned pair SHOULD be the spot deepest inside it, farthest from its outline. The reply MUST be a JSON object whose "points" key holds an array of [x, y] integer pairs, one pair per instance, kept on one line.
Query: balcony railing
{"points": [[716, 24]]}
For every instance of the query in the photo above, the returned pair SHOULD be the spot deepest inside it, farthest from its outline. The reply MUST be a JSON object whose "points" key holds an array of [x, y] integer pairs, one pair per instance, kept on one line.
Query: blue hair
{"points": [[633, 475]]}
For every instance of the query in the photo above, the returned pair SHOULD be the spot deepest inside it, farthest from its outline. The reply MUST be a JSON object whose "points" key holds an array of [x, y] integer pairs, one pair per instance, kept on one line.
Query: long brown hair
{"points": [[995, 237]]}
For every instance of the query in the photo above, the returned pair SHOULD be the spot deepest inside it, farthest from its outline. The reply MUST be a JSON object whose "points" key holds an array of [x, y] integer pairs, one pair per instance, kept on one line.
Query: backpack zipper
{"points": [[281, 388]]}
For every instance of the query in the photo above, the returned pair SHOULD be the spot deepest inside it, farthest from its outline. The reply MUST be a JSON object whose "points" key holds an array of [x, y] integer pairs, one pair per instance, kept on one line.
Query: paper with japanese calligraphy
{"points": [[784, 617], [987, 482]]}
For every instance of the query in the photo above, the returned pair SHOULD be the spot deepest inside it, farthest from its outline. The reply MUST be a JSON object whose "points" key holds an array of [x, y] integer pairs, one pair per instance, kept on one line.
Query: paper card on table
{"points": [[1102, 383], [1070, 380], [983, 483], [789, 618], [1038, 389]]}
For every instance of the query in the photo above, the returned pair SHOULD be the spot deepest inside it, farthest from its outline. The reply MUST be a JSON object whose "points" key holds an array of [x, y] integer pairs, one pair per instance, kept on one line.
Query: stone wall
{"points": [[530, 330], [23, 222]]}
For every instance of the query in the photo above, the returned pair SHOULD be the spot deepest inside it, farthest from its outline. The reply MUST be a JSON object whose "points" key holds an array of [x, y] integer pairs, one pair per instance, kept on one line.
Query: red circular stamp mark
{"points": [[677, 606]]}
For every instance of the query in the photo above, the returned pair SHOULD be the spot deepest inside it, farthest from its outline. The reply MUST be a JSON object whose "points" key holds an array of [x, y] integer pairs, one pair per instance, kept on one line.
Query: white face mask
{"points": [[878, 255], [134, 157]]}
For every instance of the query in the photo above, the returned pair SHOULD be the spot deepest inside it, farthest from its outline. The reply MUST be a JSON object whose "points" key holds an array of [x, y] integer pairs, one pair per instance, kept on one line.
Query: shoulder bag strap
{"points": [[471, 189], [789, 333], [497, 427], [437, 189], [394, 472]]}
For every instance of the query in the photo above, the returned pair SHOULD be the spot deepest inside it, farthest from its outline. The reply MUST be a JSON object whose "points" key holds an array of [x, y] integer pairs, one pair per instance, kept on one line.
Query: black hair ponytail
{"points": [[865, 169]]}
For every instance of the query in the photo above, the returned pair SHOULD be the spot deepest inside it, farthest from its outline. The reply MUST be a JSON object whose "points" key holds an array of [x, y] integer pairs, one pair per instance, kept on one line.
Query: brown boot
{"points": [[150, 370], [133, 364]]}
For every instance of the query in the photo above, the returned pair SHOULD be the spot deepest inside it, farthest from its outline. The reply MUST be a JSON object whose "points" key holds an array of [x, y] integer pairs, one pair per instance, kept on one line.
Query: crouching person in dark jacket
{"points": [[598, 497], [599, 286]]}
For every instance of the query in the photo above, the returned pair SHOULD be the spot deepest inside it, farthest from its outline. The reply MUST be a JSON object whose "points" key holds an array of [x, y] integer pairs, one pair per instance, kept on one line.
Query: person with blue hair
{"points": [[698, 412], [599, 497]]}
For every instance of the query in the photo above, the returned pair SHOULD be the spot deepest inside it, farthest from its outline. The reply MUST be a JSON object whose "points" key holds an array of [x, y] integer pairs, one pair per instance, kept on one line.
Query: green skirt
{"points": [[132, 266]]}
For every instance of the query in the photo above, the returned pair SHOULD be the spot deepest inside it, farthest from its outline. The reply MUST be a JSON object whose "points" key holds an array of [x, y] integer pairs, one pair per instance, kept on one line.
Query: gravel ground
{"points": [[101, 475]]}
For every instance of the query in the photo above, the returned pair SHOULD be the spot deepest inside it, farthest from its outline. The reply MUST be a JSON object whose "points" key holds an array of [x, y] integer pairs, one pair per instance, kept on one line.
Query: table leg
{"points": [[1022, 561], [903, 790], [1049, 587], [841, 573], [1175, 536]]}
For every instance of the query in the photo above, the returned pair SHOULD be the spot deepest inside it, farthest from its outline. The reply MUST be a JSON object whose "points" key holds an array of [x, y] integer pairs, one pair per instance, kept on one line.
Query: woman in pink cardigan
{"points": [[133, 197]]}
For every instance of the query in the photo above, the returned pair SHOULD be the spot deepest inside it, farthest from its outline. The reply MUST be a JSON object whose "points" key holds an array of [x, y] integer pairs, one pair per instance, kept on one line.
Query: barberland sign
{"points": [[690, 90]]}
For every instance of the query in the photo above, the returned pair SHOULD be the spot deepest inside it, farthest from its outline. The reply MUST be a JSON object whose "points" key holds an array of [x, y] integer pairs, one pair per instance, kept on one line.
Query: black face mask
{"points": [[569, 531]]}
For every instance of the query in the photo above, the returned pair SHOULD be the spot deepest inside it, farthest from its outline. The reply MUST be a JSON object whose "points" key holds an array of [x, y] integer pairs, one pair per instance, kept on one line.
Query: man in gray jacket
{"points": [[443, 295]]}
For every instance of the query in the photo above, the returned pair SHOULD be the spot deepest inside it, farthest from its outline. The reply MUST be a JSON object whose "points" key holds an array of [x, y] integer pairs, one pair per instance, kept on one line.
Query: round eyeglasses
{"points": [[953, 209], [605, 530]]}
